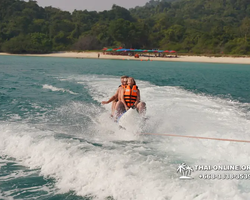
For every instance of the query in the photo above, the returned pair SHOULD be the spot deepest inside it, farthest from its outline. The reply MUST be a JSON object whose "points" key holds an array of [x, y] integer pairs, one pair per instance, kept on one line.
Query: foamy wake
{"points": [[103, 161], [2, 196], [123, 171], [85, 168], [55, 89]]}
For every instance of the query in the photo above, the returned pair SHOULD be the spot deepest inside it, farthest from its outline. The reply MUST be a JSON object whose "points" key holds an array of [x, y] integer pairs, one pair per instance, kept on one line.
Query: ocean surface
{"points": [[58, 142]]}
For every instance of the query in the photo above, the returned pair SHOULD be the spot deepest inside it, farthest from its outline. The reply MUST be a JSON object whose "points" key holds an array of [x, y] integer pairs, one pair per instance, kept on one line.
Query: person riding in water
{"points": [[130, 98], [117, 96]]}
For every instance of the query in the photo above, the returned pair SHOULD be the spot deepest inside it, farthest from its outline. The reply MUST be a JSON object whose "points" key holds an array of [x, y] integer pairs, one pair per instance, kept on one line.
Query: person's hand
{"points": [[104, 102], [127, 108]]}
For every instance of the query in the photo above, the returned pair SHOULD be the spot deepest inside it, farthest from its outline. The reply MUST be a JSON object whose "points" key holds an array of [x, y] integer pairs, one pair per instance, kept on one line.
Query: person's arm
{"points": [[138, 98], [122, 99], [112, 98]]}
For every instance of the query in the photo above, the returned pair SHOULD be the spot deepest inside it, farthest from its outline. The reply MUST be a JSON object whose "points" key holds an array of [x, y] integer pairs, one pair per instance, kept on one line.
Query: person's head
{"points": [[124, 80], [131, 81]]}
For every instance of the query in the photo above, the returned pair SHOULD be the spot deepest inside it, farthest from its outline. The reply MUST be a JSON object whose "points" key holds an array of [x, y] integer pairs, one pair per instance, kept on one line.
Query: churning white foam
{"points": [[3, 197], [55, 89], [105, 161]]}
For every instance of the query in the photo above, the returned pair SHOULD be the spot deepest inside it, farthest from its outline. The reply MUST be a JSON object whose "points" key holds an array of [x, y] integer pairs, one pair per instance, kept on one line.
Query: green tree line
{"points": [[188, 26]]}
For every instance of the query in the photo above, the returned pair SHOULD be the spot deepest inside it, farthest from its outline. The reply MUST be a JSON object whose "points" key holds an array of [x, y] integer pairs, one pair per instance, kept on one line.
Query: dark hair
{"points": [[124, 77], [133, 80]]}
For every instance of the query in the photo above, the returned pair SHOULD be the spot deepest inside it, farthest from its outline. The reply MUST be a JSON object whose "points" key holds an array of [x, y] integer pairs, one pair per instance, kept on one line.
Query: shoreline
{"points": [[94, 55]]}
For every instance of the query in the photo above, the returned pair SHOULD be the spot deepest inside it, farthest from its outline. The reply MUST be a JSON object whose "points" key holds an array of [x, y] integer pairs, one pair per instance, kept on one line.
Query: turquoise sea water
{"points": [[58, 142]]}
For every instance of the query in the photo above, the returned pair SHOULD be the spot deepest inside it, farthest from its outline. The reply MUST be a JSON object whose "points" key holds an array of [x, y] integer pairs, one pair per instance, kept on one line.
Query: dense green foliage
{"points": [[188, 26]]}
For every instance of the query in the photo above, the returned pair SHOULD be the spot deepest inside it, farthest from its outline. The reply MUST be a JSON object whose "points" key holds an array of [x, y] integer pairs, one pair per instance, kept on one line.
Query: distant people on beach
{"points": [[98, 55]]}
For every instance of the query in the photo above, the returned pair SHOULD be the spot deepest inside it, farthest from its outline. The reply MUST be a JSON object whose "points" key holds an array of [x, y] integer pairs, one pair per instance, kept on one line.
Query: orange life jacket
{"points": [[123, 86], [130, 95]]}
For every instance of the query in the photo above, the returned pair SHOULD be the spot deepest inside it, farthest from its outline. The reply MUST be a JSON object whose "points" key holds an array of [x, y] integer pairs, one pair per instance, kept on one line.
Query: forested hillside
{"points": [[189, 26]]}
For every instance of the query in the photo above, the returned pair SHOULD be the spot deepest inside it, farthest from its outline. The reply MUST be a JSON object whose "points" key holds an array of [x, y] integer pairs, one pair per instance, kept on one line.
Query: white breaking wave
{"points": [[55, 89]]}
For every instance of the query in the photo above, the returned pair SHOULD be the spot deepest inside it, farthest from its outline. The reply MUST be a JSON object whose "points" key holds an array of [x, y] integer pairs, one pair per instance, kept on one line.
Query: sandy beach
{"points": [[94, 55]]}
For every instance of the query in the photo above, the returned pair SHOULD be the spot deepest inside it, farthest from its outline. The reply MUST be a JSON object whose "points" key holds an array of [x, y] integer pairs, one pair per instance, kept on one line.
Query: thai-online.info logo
{"points": [[222, 172]]}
